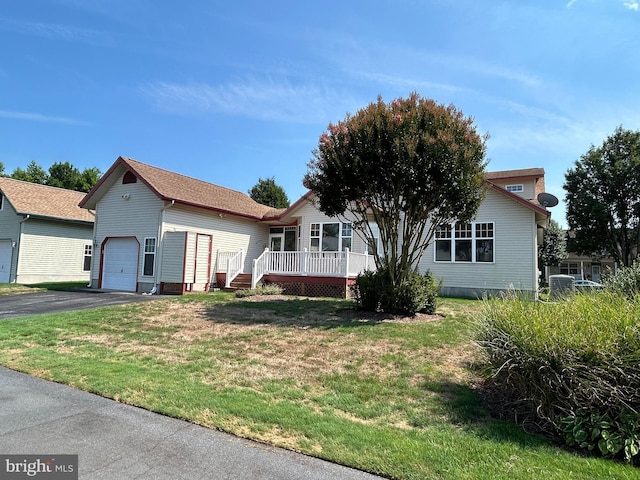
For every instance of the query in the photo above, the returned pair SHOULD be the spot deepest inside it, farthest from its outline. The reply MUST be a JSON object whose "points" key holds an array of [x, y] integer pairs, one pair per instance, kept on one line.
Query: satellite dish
{"points": [[547, 200]]}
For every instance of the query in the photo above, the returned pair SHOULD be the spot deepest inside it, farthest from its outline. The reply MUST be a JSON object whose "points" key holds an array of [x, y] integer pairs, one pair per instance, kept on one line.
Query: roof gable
{"points": [[44, 201], [171, 186]]}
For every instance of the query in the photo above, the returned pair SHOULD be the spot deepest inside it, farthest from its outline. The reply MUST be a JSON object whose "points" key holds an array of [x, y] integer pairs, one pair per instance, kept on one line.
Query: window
{"points": [[375, 240], [1, 196], [568, 268], [443, 244], [484, 242], [129, 177], [330, 237], [149, 256], [465, 242], [86, 265], [515, 188]]}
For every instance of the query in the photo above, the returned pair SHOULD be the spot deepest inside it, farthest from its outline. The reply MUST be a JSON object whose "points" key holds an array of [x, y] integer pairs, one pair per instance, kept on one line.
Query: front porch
{"points": [[313, 274]]}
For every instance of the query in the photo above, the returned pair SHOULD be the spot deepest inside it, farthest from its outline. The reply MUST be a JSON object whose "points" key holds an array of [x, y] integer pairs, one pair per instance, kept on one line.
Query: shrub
{"points": [[626, 280], [373, 292], [570, 368], [261, 289]]}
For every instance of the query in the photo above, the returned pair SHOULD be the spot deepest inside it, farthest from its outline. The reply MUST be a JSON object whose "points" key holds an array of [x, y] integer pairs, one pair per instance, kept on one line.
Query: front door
{"points": [[595, 273], [281, 239]]}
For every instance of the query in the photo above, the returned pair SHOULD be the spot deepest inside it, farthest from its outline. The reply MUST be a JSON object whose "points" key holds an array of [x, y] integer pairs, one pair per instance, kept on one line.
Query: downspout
{"points": [[159, 262], [15, 279]]}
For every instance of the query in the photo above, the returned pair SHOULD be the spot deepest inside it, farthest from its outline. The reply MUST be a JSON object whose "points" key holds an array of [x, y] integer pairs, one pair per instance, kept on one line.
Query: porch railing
{"points": [[234, 268], [324, 264]]}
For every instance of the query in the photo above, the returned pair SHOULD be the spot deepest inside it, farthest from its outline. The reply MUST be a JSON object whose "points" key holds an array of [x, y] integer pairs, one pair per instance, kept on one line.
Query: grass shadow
{"points": [[297, 312]]}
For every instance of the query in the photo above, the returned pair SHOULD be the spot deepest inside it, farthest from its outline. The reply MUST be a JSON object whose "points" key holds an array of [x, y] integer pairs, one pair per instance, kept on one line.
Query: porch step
{"points": [[241, 282]]}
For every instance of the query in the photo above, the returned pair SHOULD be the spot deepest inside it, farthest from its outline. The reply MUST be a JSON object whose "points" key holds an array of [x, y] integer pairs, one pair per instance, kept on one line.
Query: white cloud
{"points": [[263, 99], [57, 31], [39, 117], [632, 5], [570, 4]]}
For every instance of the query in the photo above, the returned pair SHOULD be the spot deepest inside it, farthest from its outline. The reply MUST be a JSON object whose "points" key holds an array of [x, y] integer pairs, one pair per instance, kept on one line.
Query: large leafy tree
{"points": [[268, 192], [603, 198], [34, 173], [553, 249], [410, 166], [62, 175]]}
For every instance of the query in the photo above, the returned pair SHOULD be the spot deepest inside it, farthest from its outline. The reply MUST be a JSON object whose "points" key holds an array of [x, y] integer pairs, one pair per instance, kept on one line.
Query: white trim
{"points": [[473, 238], [145, 253]]}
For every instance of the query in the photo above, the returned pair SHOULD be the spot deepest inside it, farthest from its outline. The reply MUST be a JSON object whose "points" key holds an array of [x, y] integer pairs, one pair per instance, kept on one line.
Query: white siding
{"points": [[310, 214], [173, 251], [52, 251], [528, 186], [127, 210], [202, 262], [230, 234], [515, 257]]}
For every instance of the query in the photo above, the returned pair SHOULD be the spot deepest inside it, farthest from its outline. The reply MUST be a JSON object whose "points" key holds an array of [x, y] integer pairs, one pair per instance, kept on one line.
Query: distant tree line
{"points": [[62, 175]]}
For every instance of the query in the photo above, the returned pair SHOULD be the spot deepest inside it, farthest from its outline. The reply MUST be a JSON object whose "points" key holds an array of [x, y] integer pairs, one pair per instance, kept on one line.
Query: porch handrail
{"points": [[326, 264], [259, 269], [234, 268]]}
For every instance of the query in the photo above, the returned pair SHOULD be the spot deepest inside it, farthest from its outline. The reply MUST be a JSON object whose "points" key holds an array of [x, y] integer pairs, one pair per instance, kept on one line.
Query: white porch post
{"points": [[305, 259], [346, 262]]}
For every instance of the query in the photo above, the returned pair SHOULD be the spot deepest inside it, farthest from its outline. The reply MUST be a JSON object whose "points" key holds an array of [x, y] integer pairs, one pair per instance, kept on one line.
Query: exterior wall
{"points": [[10, 230], [127, 210], [52, 251], [230, 234], [173, 257], [529, 186], [310, 214], [515, 257]]}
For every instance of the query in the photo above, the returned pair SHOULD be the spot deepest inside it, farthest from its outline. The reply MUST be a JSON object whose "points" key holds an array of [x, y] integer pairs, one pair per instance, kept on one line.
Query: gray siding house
{"points": [[44, 235]]}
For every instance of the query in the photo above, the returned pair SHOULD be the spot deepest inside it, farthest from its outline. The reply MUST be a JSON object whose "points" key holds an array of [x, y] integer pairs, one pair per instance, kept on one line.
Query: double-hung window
{"points": [[86, 264], [330, 237], [149, 255], [465, 242]]}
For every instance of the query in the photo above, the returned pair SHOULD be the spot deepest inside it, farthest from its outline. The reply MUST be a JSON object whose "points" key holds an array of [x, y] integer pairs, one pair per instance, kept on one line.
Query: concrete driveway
{"points": [[119, 442], [12, 306]]}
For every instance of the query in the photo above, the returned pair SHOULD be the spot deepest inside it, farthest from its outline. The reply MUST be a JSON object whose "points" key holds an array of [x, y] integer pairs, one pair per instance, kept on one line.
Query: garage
{"points": [[120, 264], [5, 261]]}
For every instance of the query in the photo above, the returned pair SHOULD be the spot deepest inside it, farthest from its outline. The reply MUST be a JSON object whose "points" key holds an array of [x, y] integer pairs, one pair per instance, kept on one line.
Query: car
{"points": [[587, 285]]}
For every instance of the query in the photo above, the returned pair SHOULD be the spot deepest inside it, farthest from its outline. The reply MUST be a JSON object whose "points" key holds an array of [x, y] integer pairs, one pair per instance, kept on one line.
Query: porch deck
{"points": [[303, 272]]}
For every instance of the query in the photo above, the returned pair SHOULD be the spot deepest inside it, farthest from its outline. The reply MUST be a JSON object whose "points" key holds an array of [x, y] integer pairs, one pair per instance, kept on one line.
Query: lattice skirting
{"points": [[312, 286]]}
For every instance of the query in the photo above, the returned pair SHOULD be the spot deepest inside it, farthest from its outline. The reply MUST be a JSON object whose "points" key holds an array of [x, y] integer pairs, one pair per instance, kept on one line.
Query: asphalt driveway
{"points": [[120, 442], [12, 306]]}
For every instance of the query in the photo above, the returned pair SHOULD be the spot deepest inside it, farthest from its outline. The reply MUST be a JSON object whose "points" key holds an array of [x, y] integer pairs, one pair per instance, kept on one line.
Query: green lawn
{"points": [[391, 397]]}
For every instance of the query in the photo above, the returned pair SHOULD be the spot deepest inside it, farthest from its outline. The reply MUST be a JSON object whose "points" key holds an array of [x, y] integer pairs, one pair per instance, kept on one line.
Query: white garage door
{"points": [[120, 265], [5, 261]]}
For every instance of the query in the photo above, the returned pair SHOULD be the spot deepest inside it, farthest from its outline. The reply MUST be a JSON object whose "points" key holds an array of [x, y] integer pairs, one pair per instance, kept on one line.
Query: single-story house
{"points": [[44, 235], [584, 267], [157, 230]]}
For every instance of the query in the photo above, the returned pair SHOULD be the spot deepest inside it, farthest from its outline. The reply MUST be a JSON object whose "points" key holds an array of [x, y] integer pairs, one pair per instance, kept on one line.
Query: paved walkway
{"points": [[120, 442]]}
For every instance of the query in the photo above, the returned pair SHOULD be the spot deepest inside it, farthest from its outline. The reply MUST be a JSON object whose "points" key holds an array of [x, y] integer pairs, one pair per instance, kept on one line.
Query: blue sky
{"points": [[229, 92]]}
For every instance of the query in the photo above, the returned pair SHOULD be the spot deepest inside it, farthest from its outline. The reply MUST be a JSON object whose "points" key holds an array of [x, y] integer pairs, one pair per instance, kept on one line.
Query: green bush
{"points": [[374, 292], [626, 280], [570, 367], [261, 289]]}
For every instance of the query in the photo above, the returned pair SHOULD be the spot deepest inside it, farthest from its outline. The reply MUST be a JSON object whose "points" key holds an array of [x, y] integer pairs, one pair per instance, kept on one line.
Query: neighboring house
{"points": [[44, 235], [158, 230], [584, 267]]}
